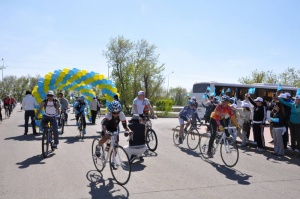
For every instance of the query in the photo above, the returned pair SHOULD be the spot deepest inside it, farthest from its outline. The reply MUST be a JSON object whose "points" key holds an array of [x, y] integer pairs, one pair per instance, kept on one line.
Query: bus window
{"points": [[200, 88]]}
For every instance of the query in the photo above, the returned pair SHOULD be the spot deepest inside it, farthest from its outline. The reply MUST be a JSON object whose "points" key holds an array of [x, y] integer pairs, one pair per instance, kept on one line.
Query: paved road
{"points": [[171, 172]]}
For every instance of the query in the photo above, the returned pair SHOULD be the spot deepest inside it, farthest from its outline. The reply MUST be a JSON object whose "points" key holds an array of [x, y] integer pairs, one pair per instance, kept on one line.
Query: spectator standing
{"points": [[94, 108], [294, 122], [259, 120], [1, 104], [28, 104], [244, 119], [209, 108], [287, 110], [278, 120], [270, 107]]}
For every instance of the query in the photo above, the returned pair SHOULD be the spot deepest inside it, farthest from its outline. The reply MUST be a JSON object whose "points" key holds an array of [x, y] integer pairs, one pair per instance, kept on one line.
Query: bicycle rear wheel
{"points": [[80, 128], [229, 153], [120, 165], [62, 123], [151, 140], [99, 162], [193, 139], [45, 143], [204, 143], [176, 135]]}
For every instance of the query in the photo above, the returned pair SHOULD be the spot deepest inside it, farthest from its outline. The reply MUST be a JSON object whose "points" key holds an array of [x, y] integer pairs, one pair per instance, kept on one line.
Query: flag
{"points": [[208, 88], [279, 87], [228, 90], [204, 96], [212, 93], [251, 90], [222, 91], [298, 92]]}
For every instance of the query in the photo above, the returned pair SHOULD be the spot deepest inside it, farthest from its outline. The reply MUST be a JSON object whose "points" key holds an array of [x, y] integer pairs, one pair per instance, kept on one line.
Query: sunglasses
{"points": [[49, 95], [115, 113]]}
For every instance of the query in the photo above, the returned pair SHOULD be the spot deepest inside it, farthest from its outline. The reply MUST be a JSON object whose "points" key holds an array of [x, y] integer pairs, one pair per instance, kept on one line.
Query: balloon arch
{"points": [[74, 80]]}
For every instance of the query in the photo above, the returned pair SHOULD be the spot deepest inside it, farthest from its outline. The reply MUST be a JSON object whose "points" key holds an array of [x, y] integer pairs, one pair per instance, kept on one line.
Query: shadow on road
{"points": [[38, 159], [101, 188], [231, 173], [29, 137], [189, 152]]}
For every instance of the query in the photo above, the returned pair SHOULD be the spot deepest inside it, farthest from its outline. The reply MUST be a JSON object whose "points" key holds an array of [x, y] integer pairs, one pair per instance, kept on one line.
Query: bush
{"points": [[164, 105]]}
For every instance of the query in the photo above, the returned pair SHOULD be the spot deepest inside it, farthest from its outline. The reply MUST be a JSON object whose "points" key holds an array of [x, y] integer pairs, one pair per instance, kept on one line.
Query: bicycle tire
{"points": [[176, 135], [62, 126], [203, 145], [120, 166], [80, 127], [99, 162], [193, 138], [51, 135], [151, 140], [229, 153], [45, 143]]}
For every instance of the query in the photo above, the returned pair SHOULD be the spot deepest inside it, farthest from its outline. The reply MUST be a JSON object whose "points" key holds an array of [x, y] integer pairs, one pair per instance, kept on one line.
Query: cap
{"points": [[50, 93], [135, 117], [246, 105], [259, 99], [288, 94], [282, 96], [297, 97], [141, 93]]}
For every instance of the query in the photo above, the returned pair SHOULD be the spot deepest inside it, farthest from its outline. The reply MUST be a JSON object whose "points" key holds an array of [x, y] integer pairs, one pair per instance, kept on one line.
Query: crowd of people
{"points": [[7, 104], [251, 113]]}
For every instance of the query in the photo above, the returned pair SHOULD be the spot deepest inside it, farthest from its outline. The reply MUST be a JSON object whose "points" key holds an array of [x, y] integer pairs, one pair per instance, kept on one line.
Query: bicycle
{"points": [[62, 120], [48, 138], [192, 134], [80, 126], [6, 113], [151, 138], [229, 150], [116, 156]]}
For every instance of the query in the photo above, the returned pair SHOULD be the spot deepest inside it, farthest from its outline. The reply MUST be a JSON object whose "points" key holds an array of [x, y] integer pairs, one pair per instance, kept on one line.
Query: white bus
{"points": [[238, 90]]}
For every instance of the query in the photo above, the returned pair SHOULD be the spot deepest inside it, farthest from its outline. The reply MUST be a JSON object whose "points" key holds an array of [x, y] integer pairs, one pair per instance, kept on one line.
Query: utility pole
{"points": [[2, 68], [168, 83]]}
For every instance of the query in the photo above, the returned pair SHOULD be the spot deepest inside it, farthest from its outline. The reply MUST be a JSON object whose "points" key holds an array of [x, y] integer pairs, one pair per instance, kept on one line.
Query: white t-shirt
{"points": [[140, 105], [121, 116], [50, 110]]}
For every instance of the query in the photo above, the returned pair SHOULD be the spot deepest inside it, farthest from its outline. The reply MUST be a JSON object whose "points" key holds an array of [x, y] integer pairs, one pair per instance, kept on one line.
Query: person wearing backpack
{"points": [[79, 106], [51, 108]]}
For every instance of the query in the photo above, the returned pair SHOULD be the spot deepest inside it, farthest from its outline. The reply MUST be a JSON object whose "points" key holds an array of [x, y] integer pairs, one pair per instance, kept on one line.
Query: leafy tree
{"points": [[134, 67], [178, 95]]}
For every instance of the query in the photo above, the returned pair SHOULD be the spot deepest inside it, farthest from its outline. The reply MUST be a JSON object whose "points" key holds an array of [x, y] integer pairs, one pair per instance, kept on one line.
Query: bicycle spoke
{"points": [[120, 165], [151, 140], [99, 162], [176, 135], [229, 153], [204, 143], [193, 139]]}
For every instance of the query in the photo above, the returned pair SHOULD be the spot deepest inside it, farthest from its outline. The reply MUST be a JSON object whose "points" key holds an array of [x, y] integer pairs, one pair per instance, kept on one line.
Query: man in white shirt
{"points": [[28, 104], [141, 105]]}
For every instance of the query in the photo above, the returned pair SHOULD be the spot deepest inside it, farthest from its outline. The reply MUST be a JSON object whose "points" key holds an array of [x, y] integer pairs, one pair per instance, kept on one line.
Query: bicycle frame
{"points": [[223, 138]]}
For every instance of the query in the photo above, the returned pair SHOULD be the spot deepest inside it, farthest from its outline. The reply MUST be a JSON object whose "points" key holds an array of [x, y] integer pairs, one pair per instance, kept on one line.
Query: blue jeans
{"points": [[53, 123]]}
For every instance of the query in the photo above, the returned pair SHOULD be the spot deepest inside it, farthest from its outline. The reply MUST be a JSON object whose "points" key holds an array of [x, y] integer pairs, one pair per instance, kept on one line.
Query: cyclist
{"points": [[51, 108], [184, 115], [218, 119], [79, 106], [110, 123], [64, 106], [142, 106], [195, 115], [6, 102]]}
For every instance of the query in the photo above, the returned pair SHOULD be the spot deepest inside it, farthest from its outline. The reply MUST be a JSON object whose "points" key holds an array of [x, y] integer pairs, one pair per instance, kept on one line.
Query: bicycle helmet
{"points": [[114, 106], [225, 98], [191, 102], [81, 97]]}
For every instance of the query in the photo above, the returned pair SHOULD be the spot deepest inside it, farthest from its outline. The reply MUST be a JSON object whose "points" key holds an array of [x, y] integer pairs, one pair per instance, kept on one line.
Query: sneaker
{"points": [[114, 166], [296, 150], [260, 149], [132, 158], [97, 152], [54, 146], [180, 140], [141, 159], [210, 154]]}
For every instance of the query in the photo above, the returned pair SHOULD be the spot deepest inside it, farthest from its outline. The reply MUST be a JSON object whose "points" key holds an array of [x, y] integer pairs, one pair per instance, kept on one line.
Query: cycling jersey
{"points": [[112, 123], [222, 112], [186, 113], [140, 105]]}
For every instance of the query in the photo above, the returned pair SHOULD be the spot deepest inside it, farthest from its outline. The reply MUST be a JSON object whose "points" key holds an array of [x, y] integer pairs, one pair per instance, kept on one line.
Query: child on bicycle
{"points": [[184, 115], [110, 123], [79, 106]]}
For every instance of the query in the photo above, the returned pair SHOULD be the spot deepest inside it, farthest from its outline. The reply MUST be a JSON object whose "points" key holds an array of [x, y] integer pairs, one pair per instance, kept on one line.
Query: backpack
{"points": [[79, 106], [55, 102]]}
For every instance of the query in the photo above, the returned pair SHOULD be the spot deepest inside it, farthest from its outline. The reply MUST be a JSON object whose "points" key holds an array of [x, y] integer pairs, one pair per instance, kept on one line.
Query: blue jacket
{"points": [[186, 113], [80, 106], [295, 111]]}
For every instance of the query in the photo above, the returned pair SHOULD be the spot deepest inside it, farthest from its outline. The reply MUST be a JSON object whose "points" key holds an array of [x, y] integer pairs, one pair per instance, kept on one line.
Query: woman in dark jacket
{"points": [[278, 121]]}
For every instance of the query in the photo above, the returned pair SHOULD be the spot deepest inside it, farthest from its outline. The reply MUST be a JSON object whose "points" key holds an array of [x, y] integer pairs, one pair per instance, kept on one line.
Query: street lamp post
{"points": [[168, 83], [2, 68]]}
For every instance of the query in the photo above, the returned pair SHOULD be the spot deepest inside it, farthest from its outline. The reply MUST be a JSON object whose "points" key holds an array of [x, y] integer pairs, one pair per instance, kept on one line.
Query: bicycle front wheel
{"points": [[204, 143], [151, 140], [176, 135], [45, 143], [62, 126], [229, 153], [119, 165], [193, 139], [99, 162]]}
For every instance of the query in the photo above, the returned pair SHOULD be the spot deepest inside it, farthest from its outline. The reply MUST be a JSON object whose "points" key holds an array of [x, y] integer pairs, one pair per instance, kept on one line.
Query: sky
{"points": [[197, 40]]}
